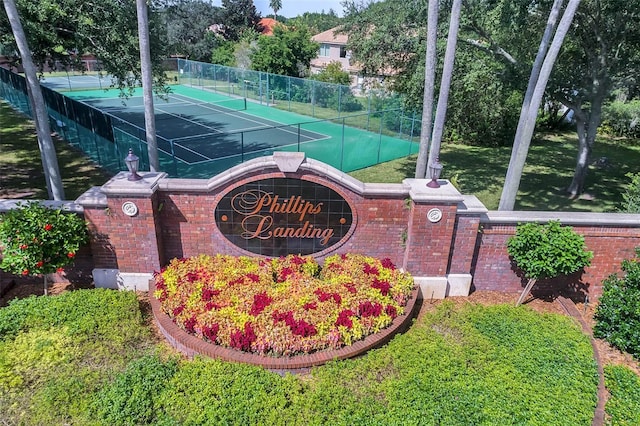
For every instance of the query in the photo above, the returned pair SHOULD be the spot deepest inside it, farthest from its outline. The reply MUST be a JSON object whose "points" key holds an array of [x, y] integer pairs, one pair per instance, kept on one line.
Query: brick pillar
{"points": [[122, 218], [464, 245], [430, 235]]}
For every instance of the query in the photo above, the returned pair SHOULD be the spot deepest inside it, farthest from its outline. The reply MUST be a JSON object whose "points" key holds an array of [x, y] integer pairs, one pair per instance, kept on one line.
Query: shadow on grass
{"points": [[22, 173]]}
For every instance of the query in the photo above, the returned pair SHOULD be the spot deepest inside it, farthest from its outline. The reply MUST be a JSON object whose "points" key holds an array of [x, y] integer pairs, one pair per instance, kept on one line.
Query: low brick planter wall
{"points": [[191, 345]]}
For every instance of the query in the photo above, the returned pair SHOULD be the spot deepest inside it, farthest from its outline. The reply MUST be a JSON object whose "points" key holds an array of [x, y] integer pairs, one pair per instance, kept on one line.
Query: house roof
{"points": [[267, 25], [329, 37]]}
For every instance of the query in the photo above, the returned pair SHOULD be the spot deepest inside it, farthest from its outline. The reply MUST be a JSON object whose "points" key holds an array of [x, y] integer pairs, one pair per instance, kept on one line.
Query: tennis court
{"points": [[201, 133], [197, 132]]}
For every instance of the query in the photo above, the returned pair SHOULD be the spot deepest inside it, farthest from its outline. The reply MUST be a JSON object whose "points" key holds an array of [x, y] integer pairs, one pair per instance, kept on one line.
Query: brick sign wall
{"points": [[446, 240]]}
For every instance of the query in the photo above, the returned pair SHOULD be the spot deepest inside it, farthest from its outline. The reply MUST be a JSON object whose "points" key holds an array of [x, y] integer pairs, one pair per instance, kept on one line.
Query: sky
{"points": [[292, 8]]}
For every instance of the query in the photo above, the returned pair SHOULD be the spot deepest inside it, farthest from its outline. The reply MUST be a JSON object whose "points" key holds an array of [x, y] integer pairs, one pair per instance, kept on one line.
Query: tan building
{"points": [[333, 48]]}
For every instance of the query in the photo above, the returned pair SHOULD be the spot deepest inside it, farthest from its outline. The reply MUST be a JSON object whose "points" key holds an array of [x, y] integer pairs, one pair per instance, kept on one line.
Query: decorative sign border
{"points": [[280, 216]]}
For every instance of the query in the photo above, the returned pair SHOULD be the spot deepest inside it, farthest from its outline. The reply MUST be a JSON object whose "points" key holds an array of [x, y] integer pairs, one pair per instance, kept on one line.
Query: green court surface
{"points": [[201, 133]]}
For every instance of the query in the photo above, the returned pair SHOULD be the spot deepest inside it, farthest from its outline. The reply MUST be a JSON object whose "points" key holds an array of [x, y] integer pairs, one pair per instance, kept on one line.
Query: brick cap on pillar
{"points": [[119, 185], [93, 197], [421, 193], [471, 205]]}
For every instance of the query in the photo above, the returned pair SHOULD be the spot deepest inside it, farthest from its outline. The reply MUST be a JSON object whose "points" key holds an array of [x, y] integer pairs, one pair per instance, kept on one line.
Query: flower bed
{"points": [[282, 307]]}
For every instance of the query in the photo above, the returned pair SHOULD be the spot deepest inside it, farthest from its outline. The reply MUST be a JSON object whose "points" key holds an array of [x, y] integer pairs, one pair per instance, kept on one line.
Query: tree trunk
{"points": [[147, 85], [445, 83], [526, 291], [427, 100], [587, 128], [40, 114], [510, 188], [522, 146]]}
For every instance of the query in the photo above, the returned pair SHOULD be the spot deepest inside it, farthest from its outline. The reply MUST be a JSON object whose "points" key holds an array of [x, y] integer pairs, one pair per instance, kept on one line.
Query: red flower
{"points": [[344, 320], [370, 270], [25, 272], [190, 325], [368, 309], [351, 288], [243, 340], [387, 263], [260, 302], [284, 274], [23, 246], [207, 293], [177, 311], [60, 270], [71, 255], [391, 311], [253, 277], [39, 264], [211, 332], [287, 317], [48, 227], [303, 329], [383, 286], [211, 305], [308, 306], [297, 260]]}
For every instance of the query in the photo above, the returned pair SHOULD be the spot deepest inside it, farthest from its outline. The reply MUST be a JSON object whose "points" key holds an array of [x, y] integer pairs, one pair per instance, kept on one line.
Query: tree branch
{"points": [[493, 49]]}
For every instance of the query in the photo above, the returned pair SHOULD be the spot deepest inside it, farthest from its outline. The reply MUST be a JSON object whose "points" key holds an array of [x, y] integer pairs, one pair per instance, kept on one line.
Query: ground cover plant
{"points": [[57, 351], [282, 306], [623, 405], [62, 361]]}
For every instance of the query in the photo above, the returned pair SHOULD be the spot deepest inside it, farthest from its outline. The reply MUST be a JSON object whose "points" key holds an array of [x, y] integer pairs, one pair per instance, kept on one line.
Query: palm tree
{"points": [[429, 79], [147, 85], [276, 5], [445, 82], [40, 115]]}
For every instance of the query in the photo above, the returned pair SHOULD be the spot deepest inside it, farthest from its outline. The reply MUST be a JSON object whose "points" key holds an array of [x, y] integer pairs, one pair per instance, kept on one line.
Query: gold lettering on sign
{"points": [[258, 208]]}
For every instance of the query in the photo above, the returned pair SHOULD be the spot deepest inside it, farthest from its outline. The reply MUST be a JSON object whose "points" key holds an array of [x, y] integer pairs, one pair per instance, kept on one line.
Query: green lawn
{"points": [[480, 171]]}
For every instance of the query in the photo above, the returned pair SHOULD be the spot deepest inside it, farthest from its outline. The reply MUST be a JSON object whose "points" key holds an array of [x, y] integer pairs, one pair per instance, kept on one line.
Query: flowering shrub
{"points": [[37, 240], [285, 306]]}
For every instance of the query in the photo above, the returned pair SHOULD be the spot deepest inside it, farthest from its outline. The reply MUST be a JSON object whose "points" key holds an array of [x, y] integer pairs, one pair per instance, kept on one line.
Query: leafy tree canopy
{"points": [[60, 30], [333, 73], [238, 16], [286, 52], [316, 22], [187, 23]]}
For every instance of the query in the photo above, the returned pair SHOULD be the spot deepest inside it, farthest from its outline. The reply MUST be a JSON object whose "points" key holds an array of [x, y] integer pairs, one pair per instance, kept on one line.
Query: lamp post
{"points": [[435, 169], [132, 162]]}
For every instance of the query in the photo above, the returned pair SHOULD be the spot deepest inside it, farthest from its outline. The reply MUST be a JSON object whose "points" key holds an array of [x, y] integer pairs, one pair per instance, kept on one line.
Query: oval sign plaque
{"points": [[281, 216]]}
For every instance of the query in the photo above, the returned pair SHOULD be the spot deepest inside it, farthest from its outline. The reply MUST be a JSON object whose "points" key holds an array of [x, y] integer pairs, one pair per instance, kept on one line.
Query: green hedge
{"points": [[618, 315]]}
